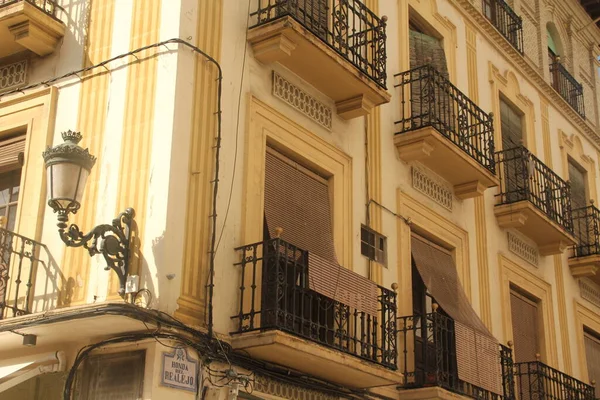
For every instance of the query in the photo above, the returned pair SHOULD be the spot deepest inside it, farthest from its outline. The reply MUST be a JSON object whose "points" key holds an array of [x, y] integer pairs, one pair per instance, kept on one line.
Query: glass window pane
{"points": [[15, 194]]}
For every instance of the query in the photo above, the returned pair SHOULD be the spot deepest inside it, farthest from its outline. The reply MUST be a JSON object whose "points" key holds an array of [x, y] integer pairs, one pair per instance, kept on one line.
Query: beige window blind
{"points": [[297, 200], [477, 351], [525, 327], [578, 186], [592, 356], [11, 153]]}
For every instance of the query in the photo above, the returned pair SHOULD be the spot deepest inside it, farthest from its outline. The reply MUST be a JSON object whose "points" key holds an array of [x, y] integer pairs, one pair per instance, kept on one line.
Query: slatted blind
{"points": [[10, 149], [525, 327], [297, 200], [425, 49], [477, 353], [510, 121], [592, 356], [578, 186]]}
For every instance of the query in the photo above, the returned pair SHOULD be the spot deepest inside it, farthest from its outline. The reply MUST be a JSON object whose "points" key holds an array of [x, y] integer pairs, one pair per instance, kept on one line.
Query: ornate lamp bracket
{"points": [[112, 241]]}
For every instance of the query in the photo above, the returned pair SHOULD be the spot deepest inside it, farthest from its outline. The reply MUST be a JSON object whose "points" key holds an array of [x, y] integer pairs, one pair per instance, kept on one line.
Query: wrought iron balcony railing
{"points": [[567, 86], [274, 294], [428, 358], [524, 177], [506, 21], [431, 100], [48, 6], [536, 380], [346, 26], [20, 259], [586, 226]]}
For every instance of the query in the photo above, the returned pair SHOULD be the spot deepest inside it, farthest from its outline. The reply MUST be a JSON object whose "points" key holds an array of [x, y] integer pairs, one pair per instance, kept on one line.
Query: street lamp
{"points": [[68, 166]]}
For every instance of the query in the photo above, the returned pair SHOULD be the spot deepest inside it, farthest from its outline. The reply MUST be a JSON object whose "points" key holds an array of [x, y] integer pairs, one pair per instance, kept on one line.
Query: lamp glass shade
{"points": [[66, 182]]}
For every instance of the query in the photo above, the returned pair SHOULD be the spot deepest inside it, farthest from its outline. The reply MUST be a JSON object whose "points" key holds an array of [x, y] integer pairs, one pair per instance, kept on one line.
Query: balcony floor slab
{"points": [[306, 356]]}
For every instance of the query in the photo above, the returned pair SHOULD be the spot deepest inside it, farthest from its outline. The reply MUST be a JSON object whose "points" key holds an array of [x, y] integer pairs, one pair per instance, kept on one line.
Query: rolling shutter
{"points": [[525, 328], [297, 201], [578, 186], [512, 133], [425, 49], [11, 153], [477, 351], [592, 356]]}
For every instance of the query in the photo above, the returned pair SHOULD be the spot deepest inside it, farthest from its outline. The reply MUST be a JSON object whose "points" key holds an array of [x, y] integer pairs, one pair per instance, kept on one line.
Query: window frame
{"points": [[379, 254]]}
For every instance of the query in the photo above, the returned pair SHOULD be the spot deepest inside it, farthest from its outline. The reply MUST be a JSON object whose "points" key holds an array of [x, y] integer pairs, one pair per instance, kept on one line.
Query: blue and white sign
{"points": [[179, 371]]}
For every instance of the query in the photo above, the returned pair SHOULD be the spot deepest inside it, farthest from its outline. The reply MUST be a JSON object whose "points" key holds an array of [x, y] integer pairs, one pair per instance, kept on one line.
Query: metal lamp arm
{"points": [[112, 241]]}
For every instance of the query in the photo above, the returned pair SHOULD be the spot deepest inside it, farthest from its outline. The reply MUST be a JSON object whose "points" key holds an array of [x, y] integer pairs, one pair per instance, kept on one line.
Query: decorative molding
{"points": [[432, 187], [287, 391], [302, 101], [522, 248], [13, 75], [589, 291]]}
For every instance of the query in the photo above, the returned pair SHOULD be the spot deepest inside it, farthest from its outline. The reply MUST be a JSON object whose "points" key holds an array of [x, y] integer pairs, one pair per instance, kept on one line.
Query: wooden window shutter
{"points": [[512, 132], [425, 49], [578, 186], [297, 200], [11, 153], [113, 376], [592, 356], [477, 351], [525, 328]]}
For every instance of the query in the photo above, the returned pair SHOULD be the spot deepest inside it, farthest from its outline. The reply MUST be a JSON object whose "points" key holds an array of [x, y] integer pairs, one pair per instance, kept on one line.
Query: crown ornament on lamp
{"points": [[68, 167]]}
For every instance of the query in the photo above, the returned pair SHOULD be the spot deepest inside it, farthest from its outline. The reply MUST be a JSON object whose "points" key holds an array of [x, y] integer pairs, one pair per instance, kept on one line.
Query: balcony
{"points": [[29, 25], [506, 21], [446, 131], [585, 257], [429, 361], [536, 380], [338, 48], [567, 86], [281, 320], [22, 262], [534, 200]]}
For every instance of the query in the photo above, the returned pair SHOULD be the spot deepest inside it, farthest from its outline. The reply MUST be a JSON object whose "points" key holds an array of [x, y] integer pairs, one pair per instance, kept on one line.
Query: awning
{"points": [[17, 370], [477, 351]]}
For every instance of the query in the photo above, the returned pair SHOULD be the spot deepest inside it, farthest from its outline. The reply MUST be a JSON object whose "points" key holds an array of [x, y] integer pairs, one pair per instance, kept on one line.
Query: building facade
{"points": [[379, 199]]}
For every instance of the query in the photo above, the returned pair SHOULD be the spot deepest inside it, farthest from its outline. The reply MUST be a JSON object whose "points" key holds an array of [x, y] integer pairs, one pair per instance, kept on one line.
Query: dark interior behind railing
{"points": [[347, 26], [48, 6], [536, 380], [586, 226], [430, 99], [19, 260], [275, 294], [508, 23], [428, 357], [524, 177], [567, 86]]}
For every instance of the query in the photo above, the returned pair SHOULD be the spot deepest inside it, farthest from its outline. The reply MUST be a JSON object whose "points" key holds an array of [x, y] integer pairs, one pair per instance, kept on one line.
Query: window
{"points": [[489, 10], [592, 355], [525, 317], [577, 178], [113, 376], [373, 245], [510, 122], [11, 160]]}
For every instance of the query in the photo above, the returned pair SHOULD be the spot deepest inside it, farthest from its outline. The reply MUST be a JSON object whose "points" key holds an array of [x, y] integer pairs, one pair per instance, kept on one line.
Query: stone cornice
{"points": [[526, 69]]}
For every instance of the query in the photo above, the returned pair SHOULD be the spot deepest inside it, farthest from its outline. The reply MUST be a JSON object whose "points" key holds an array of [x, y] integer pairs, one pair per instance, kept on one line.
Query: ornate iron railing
{"points": [[19, 259], [536, 380], [48, 6], [586, 226], [567, 86], [275, 294], [430, 99], [508, 372], [347, 26], [524, 177], [506, 21], [428, 358]]}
